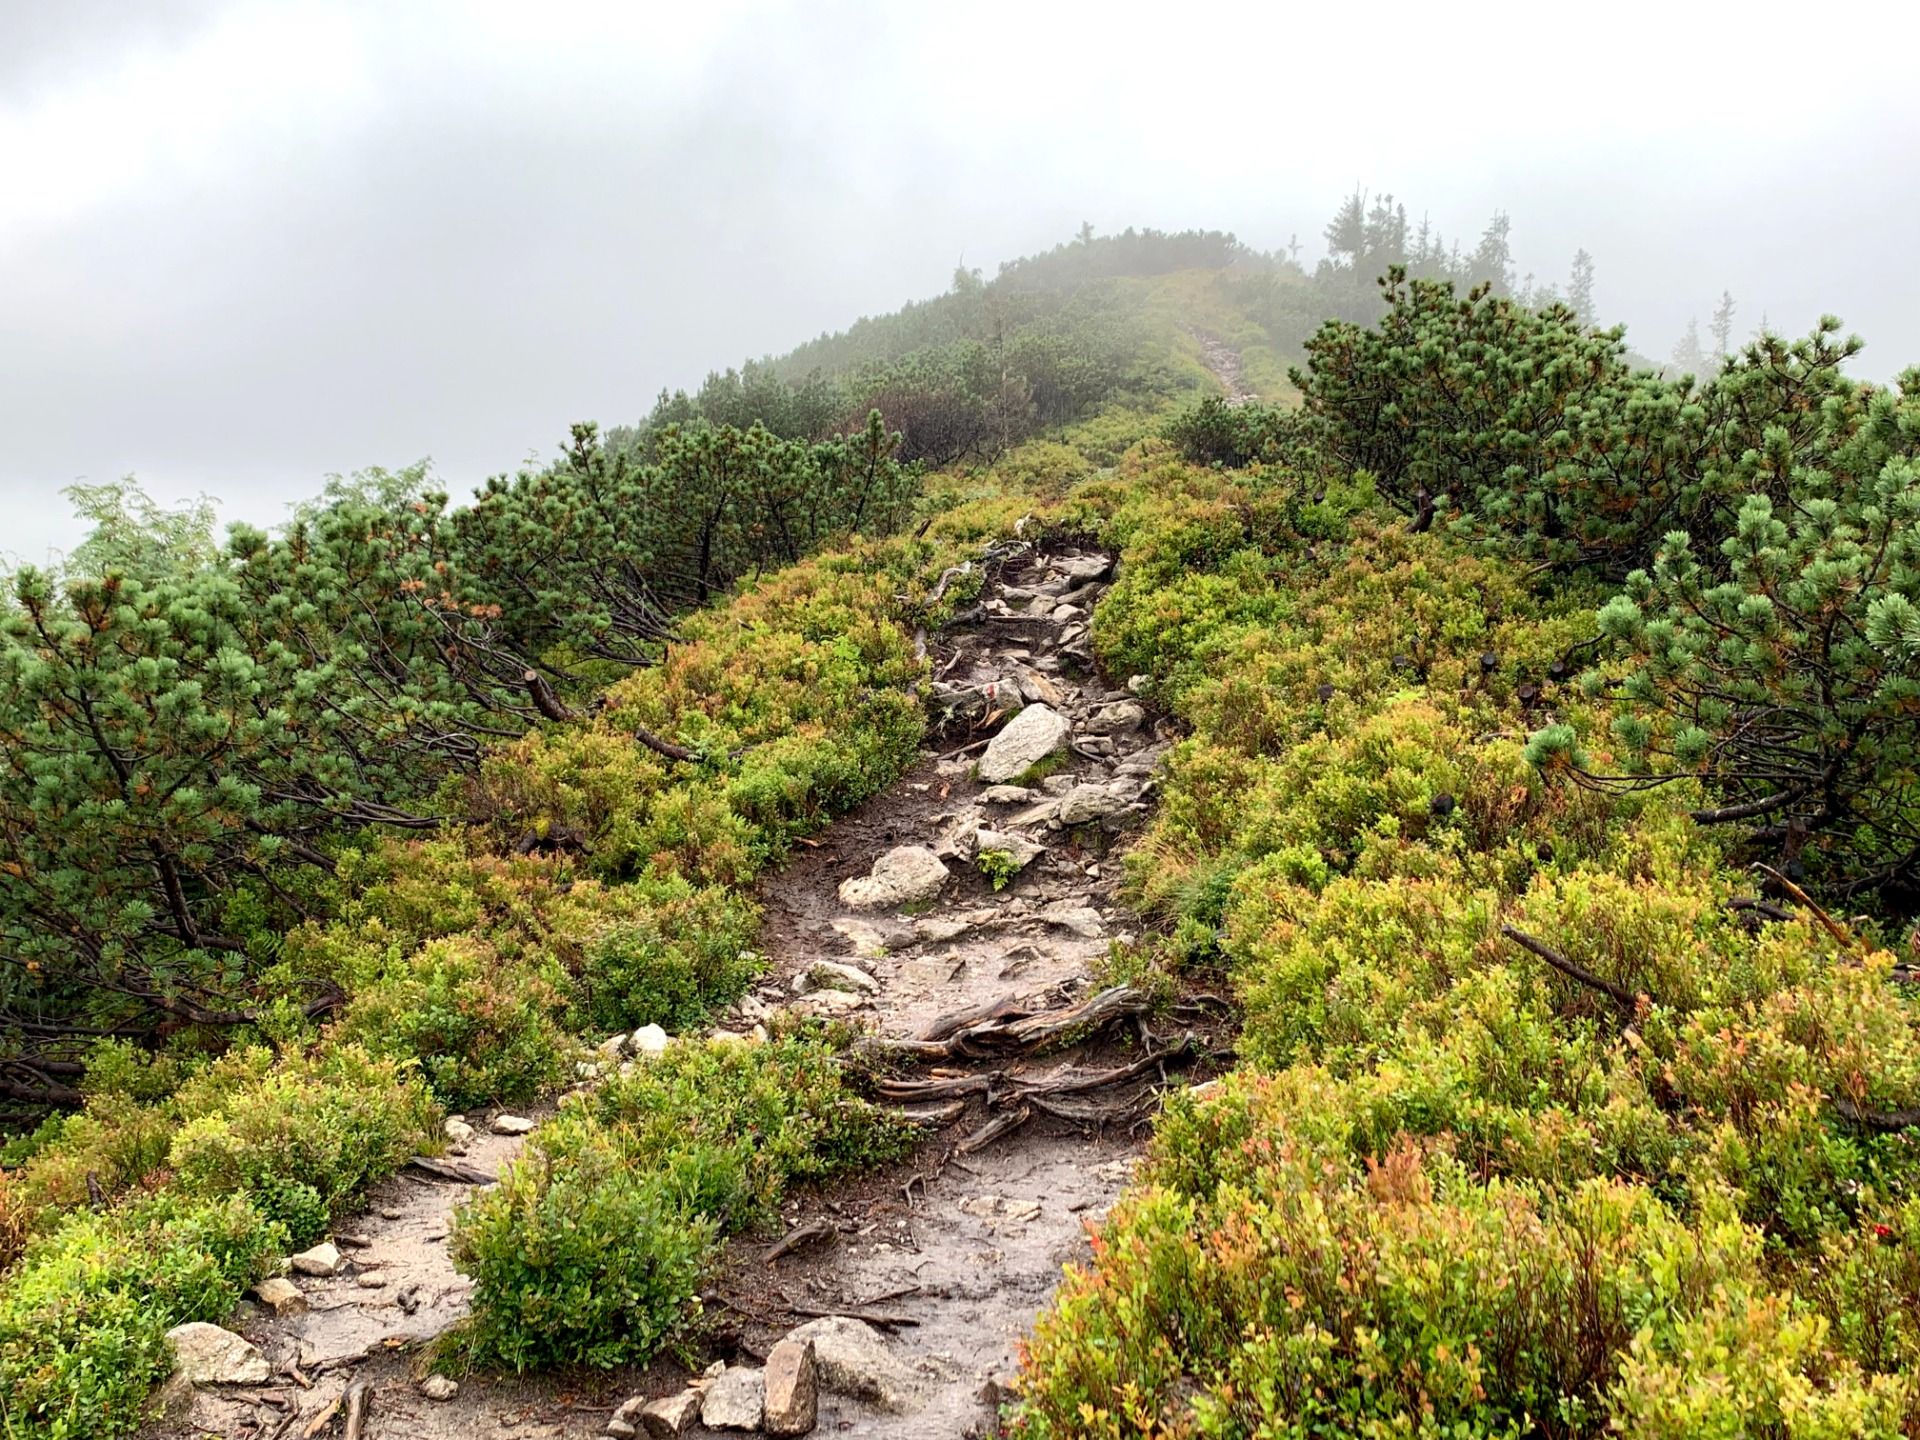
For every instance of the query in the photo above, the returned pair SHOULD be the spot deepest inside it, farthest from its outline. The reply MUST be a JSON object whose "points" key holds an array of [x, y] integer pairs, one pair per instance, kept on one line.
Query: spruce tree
{"points": [[1580, 288]]}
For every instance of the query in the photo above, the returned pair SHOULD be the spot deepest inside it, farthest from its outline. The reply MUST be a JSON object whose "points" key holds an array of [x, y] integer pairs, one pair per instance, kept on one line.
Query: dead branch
{"points": [[1002, 1008], [1833, 927], [933, 1117], [1887, 1122], [1002, 1124], [357, 1394], [321, 1420], [945, 1088], [664, 747], [544, 699], [450, 1171], [879, 1319], [1012, 1029], [1620, 994], [814, 1232]]}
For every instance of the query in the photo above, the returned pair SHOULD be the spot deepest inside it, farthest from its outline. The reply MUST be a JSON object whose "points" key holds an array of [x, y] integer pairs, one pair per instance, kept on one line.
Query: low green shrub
{"points": [[594, 1244], [83, 1319]]}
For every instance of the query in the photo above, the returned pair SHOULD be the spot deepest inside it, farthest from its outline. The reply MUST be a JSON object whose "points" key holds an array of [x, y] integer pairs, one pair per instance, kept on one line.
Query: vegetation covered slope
{"points": [[1502, 660], [1552, 1117]]}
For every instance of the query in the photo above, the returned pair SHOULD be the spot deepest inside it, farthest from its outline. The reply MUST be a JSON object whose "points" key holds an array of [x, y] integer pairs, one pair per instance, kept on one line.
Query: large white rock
{"points": [[1027, 739], [511, 1125], [904, 875], [209, 1355], [852, 1359], [736, 1400], [1084, 567], [648, 1041]]}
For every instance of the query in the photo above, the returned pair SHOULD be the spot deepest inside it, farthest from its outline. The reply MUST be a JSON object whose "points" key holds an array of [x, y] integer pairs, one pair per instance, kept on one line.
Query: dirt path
{"points": [[949, 1255], [1224, 361]]}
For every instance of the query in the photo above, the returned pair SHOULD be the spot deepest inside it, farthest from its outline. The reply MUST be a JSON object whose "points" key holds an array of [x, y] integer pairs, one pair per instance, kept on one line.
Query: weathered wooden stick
{"points": [[1620, 994]]}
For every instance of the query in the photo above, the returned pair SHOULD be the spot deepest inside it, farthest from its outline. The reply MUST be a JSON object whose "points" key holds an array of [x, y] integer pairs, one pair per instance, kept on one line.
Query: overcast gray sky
{"points": [[243, 245]]}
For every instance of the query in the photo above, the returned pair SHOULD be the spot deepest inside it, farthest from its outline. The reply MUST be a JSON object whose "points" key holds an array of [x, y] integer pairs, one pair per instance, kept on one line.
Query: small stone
{"points": [[834, 1002], [792, 1388], [280, 1295], [353, 1242], [1086, 803], [457, 1130], [392, 1212], [1139, 684], [1027, 739], [209, 1355], [322, 1259], [439, 1387], [864, 939], [831, 975], [649, 1041], [1116, 718], [613, 1047], [1017, 848], [622, 1429], [371, 1280], [511, 1125], [1006, 795], [737, 1400], [905, 875], [671, 1415], [1085, 568], [630, 1408], [983, 1206]]}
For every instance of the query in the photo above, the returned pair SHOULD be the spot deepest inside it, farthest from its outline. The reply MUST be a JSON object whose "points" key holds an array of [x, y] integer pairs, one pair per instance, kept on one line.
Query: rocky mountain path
{"points": [[1224, 361], [959, 919]]}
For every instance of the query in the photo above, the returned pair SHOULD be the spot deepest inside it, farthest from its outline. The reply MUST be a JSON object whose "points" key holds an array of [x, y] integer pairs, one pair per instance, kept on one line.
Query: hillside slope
{"points": [[1556, 874]]}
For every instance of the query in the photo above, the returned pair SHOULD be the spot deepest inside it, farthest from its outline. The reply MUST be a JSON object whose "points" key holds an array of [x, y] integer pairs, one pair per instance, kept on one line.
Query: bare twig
{"points": [[1833, 927], [1620, 994]]}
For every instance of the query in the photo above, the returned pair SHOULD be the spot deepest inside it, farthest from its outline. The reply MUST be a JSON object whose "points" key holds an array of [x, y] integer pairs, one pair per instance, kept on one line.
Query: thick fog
{"points": [[243, 245]]}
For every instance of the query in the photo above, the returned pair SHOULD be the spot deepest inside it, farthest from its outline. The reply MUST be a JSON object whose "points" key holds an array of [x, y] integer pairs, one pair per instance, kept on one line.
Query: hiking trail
{"points": [[982, 1019]]}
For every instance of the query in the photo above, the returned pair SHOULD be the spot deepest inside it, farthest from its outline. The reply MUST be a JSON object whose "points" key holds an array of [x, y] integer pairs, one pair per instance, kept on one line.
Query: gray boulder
{"points": [[1027, 739], [209, 1355], [735, 1400], [853, 1360], [904, 875]]}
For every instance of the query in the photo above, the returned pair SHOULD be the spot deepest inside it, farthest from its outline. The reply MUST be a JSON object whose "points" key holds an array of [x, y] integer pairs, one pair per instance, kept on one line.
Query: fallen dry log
{"points": [[1009, 1027], [450, 1171]]}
